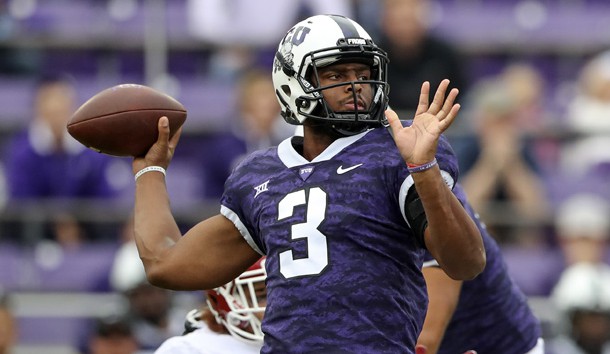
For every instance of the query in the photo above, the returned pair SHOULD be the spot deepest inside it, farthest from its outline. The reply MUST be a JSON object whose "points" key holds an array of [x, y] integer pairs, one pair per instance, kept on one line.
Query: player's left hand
{"points": [[417, 143]]}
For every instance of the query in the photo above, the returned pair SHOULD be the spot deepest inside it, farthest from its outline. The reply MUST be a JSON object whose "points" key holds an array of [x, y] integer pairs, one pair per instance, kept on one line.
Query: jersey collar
{"points": [[291, 158]]}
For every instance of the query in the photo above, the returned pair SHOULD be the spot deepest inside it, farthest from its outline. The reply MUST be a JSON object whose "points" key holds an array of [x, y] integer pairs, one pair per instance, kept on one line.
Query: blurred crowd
{"points": [[534, 152]]}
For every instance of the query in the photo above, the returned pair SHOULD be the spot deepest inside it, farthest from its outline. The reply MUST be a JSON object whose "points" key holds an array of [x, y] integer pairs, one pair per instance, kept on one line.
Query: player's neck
{"points": [[315, 141]]}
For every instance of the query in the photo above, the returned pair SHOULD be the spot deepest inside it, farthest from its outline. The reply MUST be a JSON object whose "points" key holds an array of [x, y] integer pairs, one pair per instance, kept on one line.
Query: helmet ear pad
{"points": [[294, 106]]}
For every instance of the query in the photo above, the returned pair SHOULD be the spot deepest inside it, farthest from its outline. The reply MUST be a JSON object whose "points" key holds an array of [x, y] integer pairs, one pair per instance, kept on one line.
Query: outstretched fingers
{"points": [[446, 122], [439, 97], [424, 97], [448, 105]]}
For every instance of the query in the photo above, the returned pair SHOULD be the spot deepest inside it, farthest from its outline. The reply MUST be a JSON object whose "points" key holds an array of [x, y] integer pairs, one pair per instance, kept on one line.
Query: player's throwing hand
{"points": [[417, 143], [162, 152]]}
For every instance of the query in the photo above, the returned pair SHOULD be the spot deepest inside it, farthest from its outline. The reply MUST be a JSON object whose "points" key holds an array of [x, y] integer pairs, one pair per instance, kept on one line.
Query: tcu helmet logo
{"points": [[297, 35], [294, 37]]}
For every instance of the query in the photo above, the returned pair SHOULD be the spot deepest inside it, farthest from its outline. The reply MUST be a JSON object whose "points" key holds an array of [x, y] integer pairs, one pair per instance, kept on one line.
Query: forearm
{"points": [[433, 331], [154, 226], [443, 295], [451, 236]]}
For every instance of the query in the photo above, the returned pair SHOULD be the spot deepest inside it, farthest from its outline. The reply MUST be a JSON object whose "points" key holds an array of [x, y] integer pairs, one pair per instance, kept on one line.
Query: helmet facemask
{"points": [[239, 304], [358, 120]]}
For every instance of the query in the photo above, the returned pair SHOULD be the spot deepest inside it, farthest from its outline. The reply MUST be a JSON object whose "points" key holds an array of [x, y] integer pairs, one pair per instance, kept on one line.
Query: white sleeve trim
{"points": [[243, 230], [448, 179], [430, 263], [402, 196], [408, 183]]}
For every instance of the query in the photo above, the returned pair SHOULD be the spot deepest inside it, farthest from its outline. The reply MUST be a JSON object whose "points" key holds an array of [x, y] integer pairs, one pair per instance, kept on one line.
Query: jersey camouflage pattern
{"points": [[344, 268], [492, 315]]}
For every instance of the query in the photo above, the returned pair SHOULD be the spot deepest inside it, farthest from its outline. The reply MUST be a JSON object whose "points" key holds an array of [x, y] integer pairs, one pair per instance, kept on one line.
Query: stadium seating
{"points": [[48, 267]]}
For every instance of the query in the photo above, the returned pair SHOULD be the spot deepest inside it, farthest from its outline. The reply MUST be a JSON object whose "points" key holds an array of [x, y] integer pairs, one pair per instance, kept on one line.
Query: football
{"points": [[122, 120]]}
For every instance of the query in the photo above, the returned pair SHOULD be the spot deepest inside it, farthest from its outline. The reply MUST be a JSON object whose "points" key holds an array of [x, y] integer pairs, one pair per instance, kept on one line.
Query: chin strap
{"points": [[346, 129]]}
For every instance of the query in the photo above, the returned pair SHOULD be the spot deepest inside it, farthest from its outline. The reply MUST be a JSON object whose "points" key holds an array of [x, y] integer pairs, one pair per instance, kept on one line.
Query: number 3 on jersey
{"points": [[317, 248]]}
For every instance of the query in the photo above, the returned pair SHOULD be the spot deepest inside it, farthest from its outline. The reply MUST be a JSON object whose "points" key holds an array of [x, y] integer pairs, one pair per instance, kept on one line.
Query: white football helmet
{"points": [[237, 304], [583, 286], [320, 41]]}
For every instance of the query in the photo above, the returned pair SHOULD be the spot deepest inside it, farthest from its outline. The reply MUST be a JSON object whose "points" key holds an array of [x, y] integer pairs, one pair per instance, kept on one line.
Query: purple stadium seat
{"points": [[16, 102], [84, 269], [11, 266], [210, 104], [184, 184], [485, 25], [535, 270], [52, 330]]}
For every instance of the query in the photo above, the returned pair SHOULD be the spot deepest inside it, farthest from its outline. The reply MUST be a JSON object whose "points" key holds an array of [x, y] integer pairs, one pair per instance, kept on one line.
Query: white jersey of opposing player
{"points": [[205, 341]]}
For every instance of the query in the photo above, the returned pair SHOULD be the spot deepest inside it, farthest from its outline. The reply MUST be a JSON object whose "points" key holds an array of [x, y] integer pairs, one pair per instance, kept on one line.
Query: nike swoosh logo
{"points": [[342, 170]]}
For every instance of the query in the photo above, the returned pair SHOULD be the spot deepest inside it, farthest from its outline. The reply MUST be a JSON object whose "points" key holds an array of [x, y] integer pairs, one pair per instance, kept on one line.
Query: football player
{"points": [[343, 214], [488, 314], [231, 321]]}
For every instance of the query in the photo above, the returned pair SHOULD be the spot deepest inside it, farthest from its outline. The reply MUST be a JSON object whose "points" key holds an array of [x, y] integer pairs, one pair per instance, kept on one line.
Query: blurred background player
{"points": [[588, 111], [499, 170], [46, 166], [258, 125], [583, 228], [231, 321], [113, 335], [152, 312], [585, 158], [415, 53], [488, 314], [582, 293], [582, 297]]}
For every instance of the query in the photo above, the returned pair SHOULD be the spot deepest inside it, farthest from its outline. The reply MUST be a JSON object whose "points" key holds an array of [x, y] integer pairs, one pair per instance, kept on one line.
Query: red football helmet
{"points": [[240, 304]]}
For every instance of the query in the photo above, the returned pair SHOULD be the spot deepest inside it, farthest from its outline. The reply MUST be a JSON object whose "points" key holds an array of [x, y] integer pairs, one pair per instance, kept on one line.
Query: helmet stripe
{"points": [[347, 27]]}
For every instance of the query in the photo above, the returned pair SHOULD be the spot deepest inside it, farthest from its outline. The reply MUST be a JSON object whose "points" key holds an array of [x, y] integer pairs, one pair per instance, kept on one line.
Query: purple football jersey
{"points": [[344, 268], [492, 315]]}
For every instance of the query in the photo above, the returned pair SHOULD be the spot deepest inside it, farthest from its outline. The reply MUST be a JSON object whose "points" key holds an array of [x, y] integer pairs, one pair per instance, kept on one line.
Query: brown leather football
{"points": [[122, 120]]}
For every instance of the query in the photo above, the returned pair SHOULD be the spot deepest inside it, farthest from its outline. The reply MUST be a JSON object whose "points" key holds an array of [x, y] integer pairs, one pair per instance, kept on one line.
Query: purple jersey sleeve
{"points": [[492, 315], [344, 268]]}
